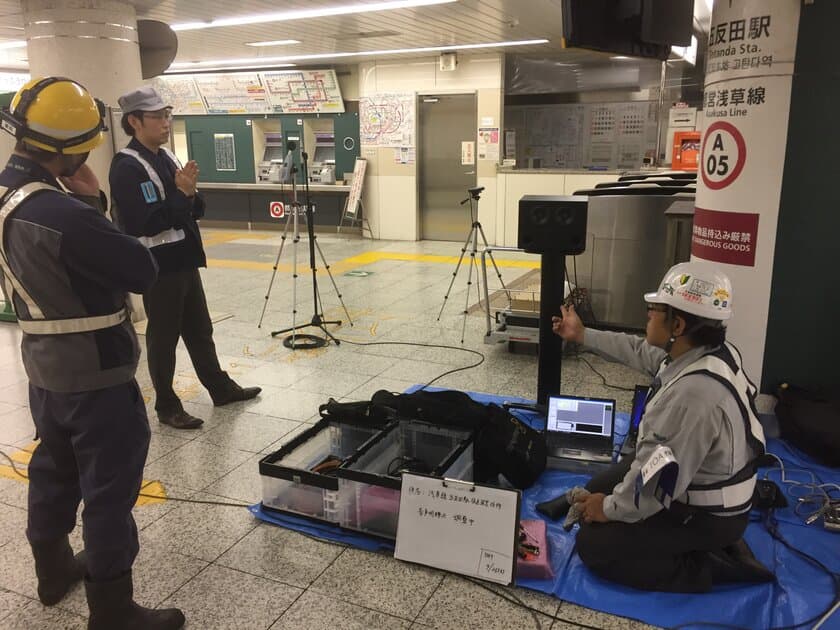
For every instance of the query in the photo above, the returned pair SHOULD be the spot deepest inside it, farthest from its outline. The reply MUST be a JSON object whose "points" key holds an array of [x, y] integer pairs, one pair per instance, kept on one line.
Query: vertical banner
{"points": [[750, 63]]}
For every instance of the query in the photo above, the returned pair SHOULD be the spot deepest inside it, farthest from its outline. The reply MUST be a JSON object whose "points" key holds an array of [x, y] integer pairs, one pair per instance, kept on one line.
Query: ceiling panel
{"points": [[462, 22]]}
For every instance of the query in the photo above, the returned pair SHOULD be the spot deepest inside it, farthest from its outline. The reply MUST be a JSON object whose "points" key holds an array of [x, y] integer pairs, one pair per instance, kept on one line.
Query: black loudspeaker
{"points": [[552, 224]]}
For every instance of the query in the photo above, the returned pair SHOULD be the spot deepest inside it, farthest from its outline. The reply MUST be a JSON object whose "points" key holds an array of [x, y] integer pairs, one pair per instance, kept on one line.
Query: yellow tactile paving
{"points": [[217, 238], [154, 490], [368, 258]]}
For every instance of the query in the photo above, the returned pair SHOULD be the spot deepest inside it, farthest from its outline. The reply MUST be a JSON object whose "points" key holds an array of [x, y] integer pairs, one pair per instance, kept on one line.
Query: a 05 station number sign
{"points": [[724, 155]]}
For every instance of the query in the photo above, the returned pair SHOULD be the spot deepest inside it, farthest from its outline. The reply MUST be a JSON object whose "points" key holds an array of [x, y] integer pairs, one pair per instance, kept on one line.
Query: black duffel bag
{"points": [[810, 420]]}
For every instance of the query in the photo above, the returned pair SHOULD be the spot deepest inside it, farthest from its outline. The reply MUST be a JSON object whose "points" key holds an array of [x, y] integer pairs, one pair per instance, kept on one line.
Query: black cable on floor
{"points": [[603, 378], [182, 500], [424, 345], [771, 525], [508, 597], [14, 465]]}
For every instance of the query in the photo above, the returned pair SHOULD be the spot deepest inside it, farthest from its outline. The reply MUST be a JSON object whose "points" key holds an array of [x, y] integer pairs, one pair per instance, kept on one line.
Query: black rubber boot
{"points": [[736, 563], [57, 569], [112, 607]]}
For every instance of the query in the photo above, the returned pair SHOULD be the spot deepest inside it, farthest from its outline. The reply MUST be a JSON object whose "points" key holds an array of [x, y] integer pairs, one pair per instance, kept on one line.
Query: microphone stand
{"points": [[304, 341]]}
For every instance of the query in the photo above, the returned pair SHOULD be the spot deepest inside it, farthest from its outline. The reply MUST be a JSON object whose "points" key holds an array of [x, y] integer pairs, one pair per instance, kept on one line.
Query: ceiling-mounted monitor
{"points": [[636, 28]]}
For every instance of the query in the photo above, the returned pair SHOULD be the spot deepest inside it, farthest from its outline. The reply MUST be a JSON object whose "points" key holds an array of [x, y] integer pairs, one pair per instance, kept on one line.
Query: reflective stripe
{"points": [[74, 325], [39, 325], [172, 157], [740, 386], [162, 238], [736, 492], [167, 236], [152, 173], [14, 200], [726, 498]]}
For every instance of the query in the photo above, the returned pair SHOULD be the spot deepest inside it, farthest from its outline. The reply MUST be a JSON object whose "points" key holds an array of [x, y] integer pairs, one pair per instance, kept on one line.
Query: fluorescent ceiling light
{"points": [[366, 53], [621, 58], [285, 16], [14, 44], [276, 42], [710, 4]]}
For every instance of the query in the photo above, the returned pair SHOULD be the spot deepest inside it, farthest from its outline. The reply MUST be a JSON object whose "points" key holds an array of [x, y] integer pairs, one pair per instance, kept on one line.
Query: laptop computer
{"points": [[640, 396], [580, 429]]}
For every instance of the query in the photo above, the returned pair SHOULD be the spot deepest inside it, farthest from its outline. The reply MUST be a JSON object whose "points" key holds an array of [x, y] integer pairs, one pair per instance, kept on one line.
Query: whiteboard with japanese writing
{"points": [[459, 527]]}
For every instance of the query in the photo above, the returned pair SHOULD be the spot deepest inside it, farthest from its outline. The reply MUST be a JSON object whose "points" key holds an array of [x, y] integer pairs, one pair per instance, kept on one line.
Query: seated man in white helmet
{"points": [[672, 518]]}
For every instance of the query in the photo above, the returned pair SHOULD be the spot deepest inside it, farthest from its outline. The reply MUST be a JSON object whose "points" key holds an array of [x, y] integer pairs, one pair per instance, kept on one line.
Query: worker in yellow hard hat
{"points": [[67, 269]]}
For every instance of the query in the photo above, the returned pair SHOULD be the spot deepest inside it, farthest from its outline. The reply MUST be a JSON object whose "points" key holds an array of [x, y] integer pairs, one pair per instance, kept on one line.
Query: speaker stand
{"points": [[552, 283]]}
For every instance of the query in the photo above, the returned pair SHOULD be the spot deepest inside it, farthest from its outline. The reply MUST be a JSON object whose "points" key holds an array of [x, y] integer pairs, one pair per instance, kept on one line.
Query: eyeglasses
{"points": [[167, 115], [658, 308]]}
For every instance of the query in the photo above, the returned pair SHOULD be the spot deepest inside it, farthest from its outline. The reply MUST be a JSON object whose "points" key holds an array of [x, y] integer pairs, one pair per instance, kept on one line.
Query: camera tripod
{"points": [[472, 239], [297, 341]]}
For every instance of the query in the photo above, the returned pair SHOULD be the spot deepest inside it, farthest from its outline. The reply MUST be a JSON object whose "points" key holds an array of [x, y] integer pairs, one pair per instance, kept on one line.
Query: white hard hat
{"points": [[697, 288]]}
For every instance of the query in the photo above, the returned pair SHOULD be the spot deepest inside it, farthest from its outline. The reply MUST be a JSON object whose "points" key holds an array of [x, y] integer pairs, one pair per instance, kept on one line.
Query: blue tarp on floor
{"points": [[802, 592]]}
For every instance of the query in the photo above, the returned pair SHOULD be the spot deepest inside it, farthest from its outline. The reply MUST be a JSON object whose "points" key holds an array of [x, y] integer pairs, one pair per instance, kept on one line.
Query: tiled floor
{"points": [[223, 568]]}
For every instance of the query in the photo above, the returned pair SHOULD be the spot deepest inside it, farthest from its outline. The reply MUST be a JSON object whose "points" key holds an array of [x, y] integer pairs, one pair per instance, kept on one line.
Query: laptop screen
{"points": [[639, 399], [580, 416]]}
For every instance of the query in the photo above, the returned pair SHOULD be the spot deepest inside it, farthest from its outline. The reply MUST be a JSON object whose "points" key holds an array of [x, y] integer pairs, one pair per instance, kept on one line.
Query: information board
{"points": [[387, 120], [181, 93], [601, 135], [233, 93], [459, 527], [224, 148], [356, 185], [303, 91]]}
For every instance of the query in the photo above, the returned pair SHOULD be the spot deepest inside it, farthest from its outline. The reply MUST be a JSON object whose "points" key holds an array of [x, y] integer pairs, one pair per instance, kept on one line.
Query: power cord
{"points": [[424, 345], [772, 526], [143, 487], [816, 494], [182, 500], [603, 378], [513, 599]]}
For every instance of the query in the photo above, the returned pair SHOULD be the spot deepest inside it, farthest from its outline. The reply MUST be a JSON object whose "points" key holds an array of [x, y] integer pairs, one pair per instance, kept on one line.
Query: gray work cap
{"points": [[144, 99]]}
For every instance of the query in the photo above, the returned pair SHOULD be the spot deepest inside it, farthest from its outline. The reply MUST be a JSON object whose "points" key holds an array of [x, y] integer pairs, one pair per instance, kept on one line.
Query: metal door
{"points": [[445, 122]]}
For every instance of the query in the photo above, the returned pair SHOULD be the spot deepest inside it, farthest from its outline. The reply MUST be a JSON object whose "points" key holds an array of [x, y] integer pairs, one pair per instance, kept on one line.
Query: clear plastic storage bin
{"points": [[371, 480], [290, 485]]}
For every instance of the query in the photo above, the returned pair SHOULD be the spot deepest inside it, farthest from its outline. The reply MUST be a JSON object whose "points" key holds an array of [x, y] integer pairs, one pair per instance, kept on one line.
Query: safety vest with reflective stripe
{"points": [[171, 235], [39, 324], [735, 494]]}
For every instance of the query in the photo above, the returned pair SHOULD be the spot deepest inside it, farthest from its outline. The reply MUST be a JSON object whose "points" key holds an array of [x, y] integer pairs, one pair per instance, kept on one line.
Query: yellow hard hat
{"points": [[56, 114]]}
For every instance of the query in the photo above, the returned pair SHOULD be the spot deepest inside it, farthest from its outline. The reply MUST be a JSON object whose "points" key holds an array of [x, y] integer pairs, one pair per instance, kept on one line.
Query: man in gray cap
{"points": [[156, 200]]}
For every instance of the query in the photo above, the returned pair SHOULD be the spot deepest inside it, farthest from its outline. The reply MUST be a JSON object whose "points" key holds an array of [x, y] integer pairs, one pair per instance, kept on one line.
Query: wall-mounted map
{"points": [[303, 91], [387, 120], [233, 93], [282, 92], [181, 93]]}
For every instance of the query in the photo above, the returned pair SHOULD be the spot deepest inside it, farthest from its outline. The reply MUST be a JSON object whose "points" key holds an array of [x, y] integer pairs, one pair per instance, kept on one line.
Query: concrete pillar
{"points": [[93, 42]]}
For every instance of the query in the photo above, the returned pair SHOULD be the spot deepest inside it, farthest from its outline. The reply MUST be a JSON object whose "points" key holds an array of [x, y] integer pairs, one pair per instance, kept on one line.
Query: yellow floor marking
{"points": [[156, 491], [218, 238], [360, 260], [23, 456], [6, 472]]}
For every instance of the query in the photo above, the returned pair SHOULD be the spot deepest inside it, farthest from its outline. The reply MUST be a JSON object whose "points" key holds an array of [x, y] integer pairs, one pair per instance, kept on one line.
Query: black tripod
{"points": [[297, 341], [472, 237]]}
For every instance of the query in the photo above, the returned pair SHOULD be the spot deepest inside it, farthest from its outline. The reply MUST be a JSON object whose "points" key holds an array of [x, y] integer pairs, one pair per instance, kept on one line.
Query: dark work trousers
{"points": [[176, 307], [660, 553], [93, 447]]}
